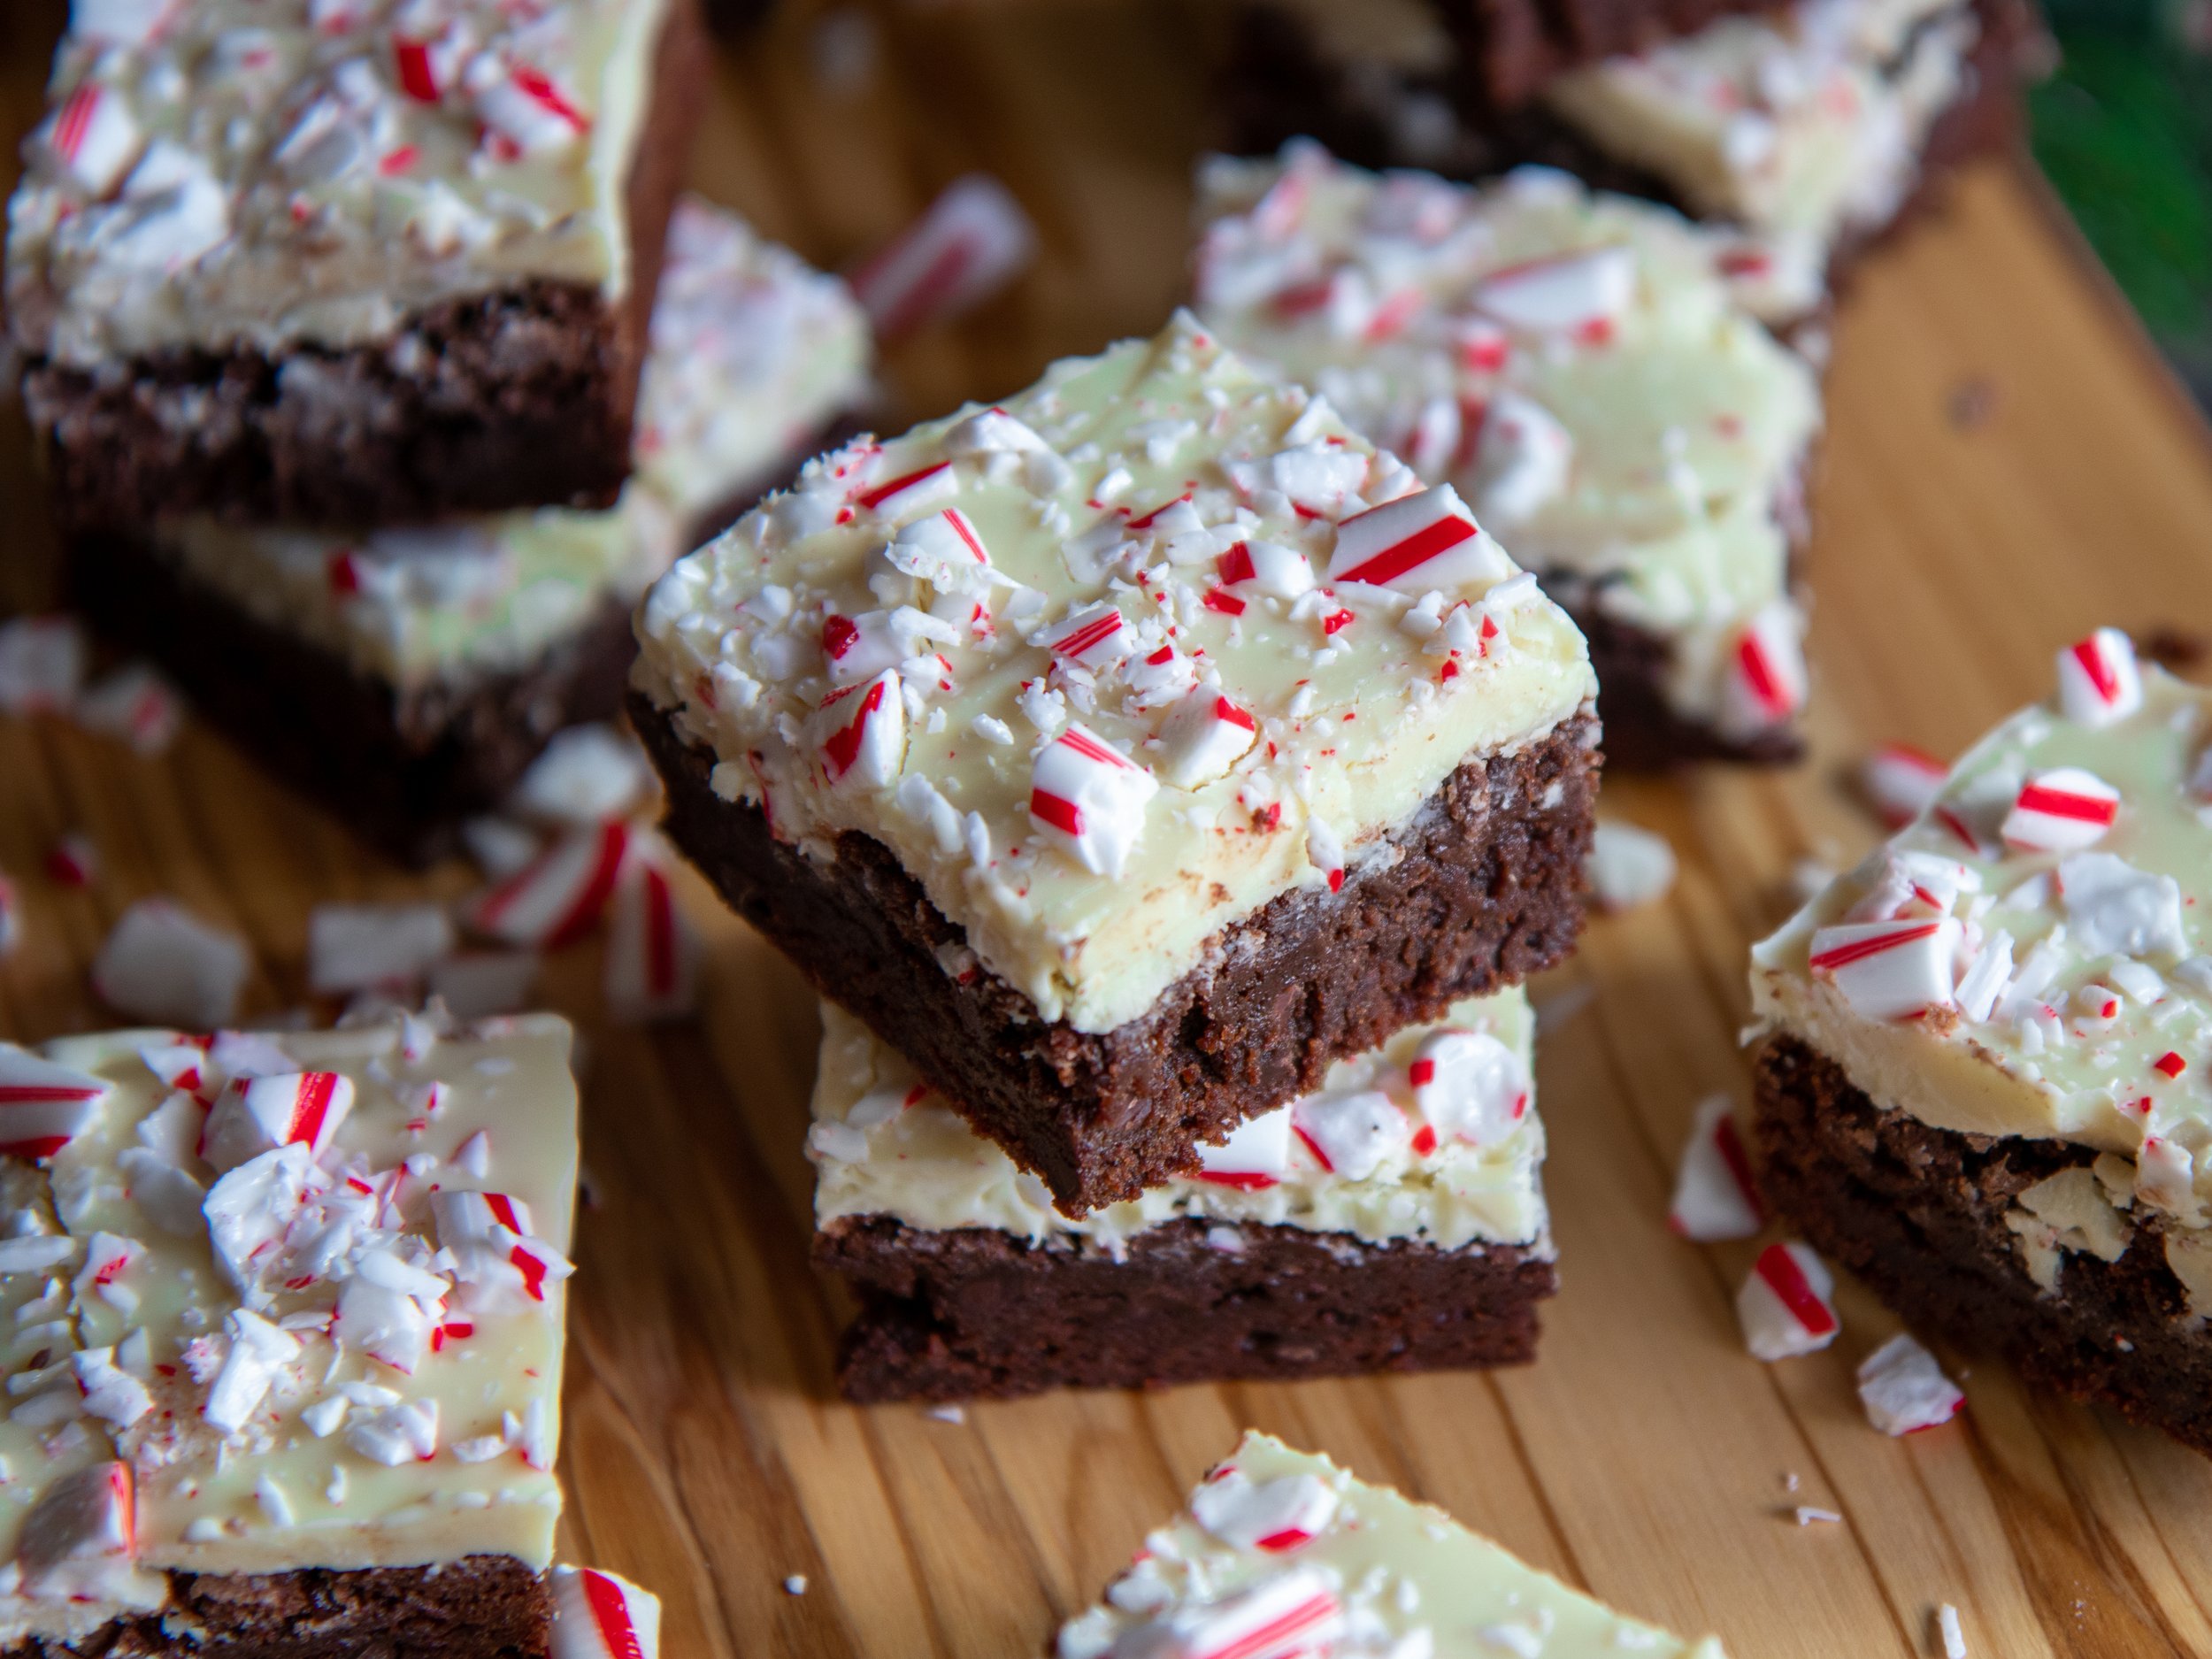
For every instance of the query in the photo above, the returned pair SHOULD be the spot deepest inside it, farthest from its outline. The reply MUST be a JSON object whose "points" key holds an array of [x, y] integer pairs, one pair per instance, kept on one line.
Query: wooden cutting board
{"points": [[2007, 466]]}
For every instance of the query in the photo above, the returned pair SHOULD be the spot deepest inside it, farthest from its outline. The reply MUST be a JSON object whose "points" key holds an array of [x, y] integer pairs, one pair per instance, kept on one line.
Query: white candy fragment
{"points": [[1274, 1515], [1784, 1304], [1714, 1197], [136, 706], [1203, 737], [860, 732], [1089, 799], [1522, 459], [2098, 680], [111, 1393], [498, 1260], [164, 965], [43, 1106], [1949, 1633], [559, 896], [1255, 1156], [944, 549], [1902, 782], [2063, 810], [92, 136], [1418, 543], [599, 1616], [1094, 635], [585, 776], [1628, 866], [1575, 293], [259, 1353], [1892, 970], [1350, 1134], [1469, 1086], [2114, 908], [1267, 567], [1904, 1389], [256, 1115], [403, 1434], [361, 946], [42, 665], [973, 242]]}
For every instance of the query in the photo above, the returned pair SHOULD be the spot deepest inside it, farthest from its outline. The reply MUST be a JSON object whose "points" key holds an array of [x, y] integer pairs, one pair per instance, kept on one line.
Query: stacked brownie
{"points": [[1812, 126], [1124, 756], [284, 1357], [378, 370], [1592, 374]]}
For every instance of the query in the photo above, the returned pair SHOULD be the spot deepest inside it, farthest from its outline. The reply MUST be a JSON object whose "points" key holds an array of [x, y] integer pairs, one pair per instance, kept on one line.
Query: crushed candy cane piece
{"points": [[2099, 682], [1892, 970], [1715, 1196], [584, 776], [1469, 1084], [652, 958], [43, 1106], [1902, 782], [1255, 1156], [1628, 866], [1275, 1515], [136, 706], [1089, 799], [600, 1615], [42, 665], [1904, 1389], [1784, 1304], [972, 240], [166, 966], [558, 896], [358, 947]]}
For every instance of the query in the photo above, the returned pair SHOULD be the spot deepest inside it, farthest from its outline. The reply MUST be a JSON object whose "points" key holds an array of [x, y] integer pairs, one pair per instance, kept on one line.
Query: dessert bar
{"points": [[1393, 1220], [1983, 1086], [406, 678], [286, 1326], [1281, 1553], [1126, 752], [366, 262], [1591, 373]]}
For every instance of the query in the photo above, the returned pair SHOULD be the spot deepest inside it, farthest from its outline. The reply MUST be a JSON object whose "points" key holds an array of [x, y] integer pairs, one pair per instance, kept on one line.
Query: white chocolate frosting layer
{"points": [[1804, 124], [2028, 957], [754, 353], [272, 1333], [1281, 1552], [1577, 366], [1451, 1161], [1108, 665], [220, 174]]}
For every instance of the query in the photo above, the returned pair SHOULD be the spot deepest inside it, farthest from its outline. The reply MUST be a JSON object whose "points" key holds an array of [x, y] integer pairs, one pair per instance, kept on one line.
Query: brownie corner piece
{"points": [[187, 347]]}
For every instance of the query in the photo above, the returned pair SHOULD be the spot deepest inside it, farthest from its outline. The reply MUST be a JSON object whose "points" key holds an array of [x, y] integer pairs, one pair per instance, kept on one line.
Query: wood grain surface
{"points": [[2007, 466]]}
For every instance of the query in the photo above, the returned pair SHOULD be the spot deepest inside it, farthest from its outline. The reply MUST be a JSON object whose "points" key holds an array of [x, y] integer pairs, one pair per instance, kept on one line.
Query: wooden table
{"points": [[2007, 466]]}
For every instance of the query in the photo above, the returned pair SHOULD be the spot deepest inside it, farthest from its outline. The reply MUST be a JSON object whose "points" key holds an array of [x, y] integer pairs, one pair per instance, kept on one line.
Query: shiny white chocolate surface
{"points": [[1123, 481]]}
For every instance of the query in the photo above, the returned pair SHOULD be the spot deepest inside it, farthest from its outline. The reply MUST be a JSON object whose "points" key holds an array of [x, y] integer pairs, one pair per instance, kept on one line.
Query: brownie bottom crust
{"points": [[1482, 888], [975, 1313], [1919, 1215], [480, 1607]]}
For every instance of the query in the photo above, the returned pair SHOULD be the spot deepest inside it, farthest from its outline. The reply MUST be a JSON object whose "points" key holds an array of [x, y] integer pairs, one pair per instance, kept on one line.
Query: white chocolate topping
{"points": [[1281, 1552], [753, 353], [1804, 123], [1575, 364], [260, 172], [283, 1326], [2028, 957], [1361, 1156], [1108, 665]]}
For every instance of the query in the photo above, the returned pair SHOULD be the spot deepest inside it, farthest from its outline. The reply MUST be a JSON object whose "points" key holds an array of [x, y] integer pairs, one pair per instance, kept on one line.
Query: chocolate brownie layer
{"points": [[955, 1315], [1484, 889], [482, 1607], [402, 768], [1513, 47], [516, 398], [1919, 1214]]}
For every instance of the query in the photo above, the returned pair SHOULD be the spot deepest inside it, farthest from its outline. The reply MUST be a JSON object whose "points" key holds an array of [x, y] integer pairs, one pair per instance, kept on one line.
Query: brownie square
{"points": [[219, 308], [1038, 739]]}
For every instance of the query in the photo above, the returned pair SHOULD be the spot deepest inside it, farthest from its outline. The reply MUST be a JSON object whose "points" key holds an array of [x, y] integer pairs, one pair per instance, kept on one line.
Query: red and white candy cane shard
{"points": [[82, 1516], [417, 72], [74, 861], [1089, 799], [1765, 684], [1784, 1304], [651, 967], [1281, 573], [1203, 736], [1350, 1135], [559, 896], [1571, 294], [861, 733], [530, 111], [973, 240], [1096, 637], [1714, 1197], [43, 1106], [135, 705], [1904, 1390], [1325, 852], [94, 136], [1271, 1514], [1255, 1156], [944, 549], [920, 488], [600, 1615], [183, 1065], [479, 1220], [256, 1115], [2059, 811], [1895, 969], [2098, 680], [1469, 1086], [1902, 782], [855, 649], [1424, 541], [1292, 1613]]}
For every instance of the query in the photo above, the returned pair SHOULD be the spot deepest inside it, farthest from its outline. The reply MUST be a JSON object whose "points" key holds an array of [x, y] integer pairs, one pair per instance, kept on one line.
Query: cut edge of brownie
{"points": [[971, 1312], [1918, 1214], [1481, 888], [517, 397], [480, 1607], [1513, 47]]}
